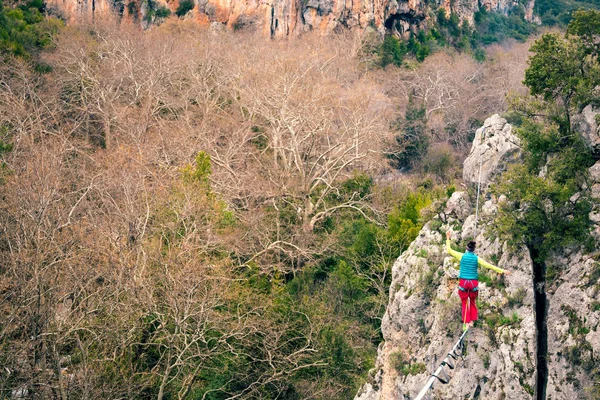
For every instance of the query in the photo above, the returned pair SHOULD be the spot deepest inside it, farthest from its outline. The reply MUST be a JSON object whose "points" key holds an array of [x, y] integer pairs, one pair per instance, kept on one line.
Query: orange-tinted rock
{"points": [[282, 18]]}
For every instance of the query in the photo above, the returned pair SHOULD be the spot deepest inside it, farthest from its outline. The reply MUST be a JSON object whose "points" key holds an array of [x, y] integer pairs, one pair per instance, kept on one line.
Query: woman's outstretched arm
{"points": [[456, 254]]}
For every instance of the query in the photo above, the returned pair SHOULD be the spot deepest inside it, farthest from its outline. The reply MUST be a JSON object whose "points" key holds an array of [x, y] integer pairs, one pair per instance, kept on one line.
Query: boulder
{"points": [[458, 206], [494, 147], [587, 124], [367, 392]]}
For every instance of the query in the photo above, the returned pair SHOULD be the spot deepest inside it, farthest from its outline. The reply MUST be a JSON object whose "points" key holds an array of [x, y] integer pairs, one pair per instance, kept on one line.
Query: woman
{"points": [[468, 284]]}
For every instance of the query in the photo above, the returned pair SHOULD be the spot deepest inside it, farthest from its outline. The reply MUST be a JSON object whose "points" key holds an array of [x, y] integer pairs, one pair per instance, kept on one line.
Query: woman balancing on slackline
{"points": [[467, 285]]}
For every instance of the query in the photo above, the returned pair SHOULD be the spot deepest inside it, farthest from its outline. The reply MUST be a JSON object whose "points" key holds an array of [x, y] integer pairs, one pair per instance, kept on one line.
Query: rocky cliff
{"points": [[422, 320], [281, 18]]}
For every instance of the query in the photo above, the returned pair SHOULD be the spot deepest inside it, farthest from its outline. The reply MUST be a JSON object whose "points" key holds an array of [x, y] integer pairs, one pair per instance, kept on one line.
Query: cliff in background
{"points": [[281, 18], [422, 320]]}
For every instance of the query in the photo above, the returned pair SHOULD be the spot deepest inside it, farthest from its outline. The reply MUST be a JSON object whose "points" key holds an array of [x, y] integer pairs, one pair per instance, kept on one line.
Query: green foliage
{"points": [[486, 360], [404, 221], [577, 326], [260, 140], [586, 26], [5, 147], [184, 7], [490, 27], [338, 355], [516, 300], [495, 320], [350, 285], [514, 118], [162, 12], [479, 55], [494, 27], [523, 374], [411, 142], [439, 161], [132, 9], [560, 70], [405, 368], [448, 24], [397, 360], [448, 30], [558, 12], [547, 196], [485, 277], [200, 172], [548, 200], [540, 212], [392, 52], [154, 10], [360, 185], [428, 284], [581, 354], [145, 355], [330, 297], [413, 369], [353, 285], [528, 388], [24, 30], [564, 72], [418, 46]]}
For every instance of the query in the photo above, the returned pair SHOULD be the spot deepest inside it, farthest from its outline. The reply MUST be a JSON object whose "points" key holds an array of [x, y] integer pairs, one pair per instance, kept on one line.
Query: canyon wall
{"points": [[282, 18]]}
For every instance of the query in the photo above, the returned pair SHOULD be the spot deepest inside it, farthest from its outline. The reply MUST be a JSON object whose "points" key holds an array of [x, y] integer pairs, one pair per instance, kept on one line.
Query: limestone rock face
{"points": [[494, 147], [84, 9], [502, 6], [588, 126], [595, 177], [573, 328], [422, 320], [458, 205], [467, 9], [283, 18]]}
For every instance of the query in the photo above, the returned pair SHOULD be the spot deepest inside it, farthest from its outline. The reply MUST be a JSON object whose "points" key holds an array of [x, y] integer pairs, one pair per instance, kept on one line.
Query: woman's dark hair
{"points": [[471, 246]]}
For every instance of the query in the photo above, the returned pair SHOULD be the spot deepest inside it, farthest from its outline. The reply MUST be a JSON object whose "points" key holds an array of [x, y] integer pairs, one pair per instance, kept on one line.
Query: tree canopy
{"points": [[547, 198], [548, 203], [24, 29]]}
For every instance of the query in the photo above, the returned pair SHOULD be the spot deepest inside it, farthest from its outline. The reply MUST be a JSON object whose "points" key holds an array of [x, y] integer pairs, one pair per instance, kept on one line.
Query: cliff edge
{"points": [[422, 320]]}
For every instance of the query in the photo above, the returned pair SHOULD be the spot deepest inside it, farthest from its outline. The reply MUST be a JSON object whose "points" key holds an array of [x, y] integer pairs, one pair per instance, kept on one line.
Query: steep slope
{"points": [[281, 18], [422, 320]]}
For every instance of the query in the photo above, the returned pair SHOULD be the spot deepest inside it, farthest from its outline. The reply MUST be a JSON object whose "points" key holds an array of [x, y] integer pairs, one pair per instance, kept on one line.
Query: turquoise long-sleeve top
{"points": [[469, 262]]}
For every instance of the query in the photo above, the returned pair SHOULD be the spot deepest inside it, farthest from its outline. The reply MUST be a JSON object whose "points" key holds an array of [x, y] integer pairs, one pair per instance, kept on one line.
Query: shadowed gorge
{"points": [[541, 322]]}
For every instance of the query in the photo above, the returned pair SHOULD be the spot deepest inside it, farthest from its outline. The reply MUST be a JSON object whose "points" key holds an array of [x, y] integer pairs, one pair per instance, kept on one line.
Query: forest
{"points": [[180, 219]]}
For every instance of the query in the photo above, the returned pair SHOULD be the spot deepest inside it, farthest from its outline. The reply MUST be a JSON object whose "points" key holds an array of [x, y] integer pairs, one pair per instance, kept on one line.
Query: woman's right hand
{"points": [[447, 234]]}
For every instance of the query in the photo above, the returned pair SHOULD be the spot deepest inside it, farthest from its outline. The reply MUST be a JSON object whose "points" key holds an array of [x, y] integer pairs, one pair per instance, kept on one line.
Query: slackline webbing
{"points": [[439, 373]]}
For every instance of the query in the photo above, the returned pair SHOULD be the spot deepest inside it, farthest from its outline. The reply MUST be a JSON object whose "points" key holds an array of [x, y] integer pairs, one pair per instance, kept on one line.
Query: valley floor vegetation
{"points": [[190, 214]]}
